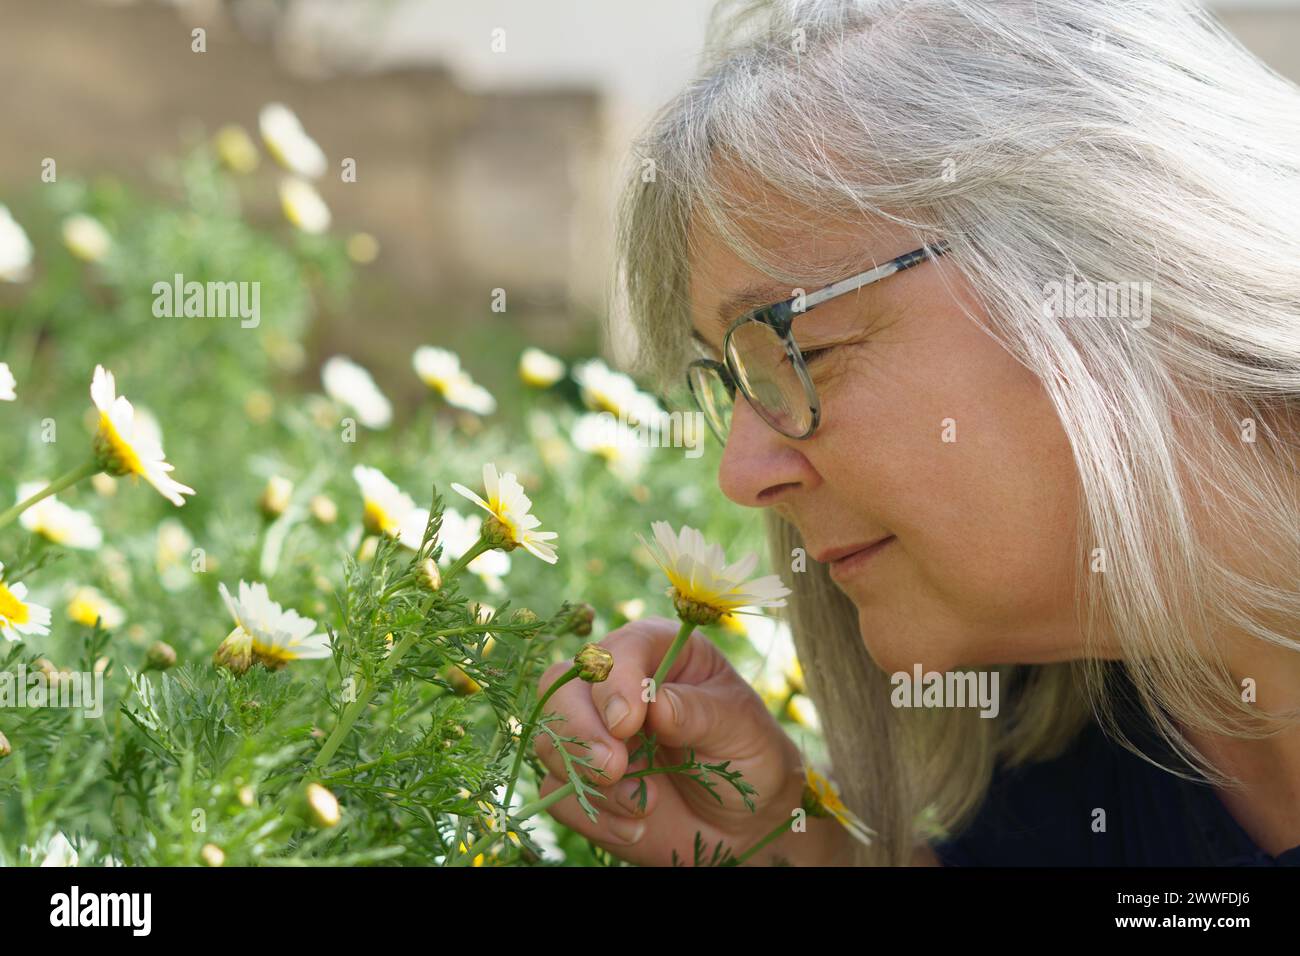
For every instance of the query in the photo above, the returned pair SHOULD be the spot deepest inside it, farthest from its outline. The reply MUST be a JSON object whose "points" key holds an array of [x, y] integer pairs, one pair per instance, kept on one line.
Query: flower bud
{"points": [[322, 806], [498, 535], [430, 576], [461, 683], [275, 497], [246, 796], [5, 749], [577, 620], [594, 663], [693, 612], [160, 656], [323, 509], [236, 652], [212, 855]]}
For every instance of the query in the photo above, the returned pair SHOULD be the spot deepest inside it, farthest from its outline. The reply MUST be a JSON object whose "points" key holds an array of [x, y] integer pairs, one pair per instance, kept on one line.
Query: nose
{"points": [[760, 466]]}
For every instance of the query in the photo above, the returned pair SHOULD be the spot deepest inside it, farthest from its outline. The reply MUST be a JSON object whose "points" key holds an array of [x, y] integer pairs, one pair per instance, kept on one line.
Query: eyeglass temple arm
{"points": [[905, 261]]}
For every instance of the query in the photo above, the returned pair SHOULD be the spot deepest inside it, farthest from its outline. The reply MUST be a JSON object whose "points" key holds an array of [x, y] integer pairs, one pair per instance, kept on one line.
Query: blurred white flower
{"points": [[303, 205], [349, 384], [600, 433], [127, 445], [236, 148], [539, 369], [55, 521], [173, 555], [8, 384], [86, 237], [440, 370], [606, 390], [18, 616], [54, 851], [389, 510], [15, 249], [289, 143]]}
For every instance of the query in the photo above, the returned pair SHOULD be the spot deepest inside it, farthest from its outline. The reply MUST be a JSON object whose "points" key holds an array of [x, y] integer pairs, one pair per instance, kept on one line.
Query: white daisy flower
{"points": [[8, 384], [266, 633], [704, 586], [303, 205], [87, 605], [55, 521], [539, 369], [18, 616], [509, 506], [440, 370], [606, 390], [173, 555], [15, 249], [289, 143], [600, 433], [86, 237], [388, 509], [349, 384], [122, 447]]}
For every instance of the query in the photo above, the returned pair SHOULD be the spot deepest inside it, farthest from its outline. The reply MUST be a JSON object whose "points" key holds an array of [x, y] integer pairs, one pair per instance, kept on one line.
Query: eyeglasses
{"points": [[764, 362]]}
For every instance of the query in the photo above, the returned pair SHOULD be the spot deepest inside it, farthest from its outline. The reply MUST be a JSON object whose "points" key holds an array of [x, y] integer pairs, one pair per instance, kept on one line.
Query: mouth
{"points": [[848, 563]]}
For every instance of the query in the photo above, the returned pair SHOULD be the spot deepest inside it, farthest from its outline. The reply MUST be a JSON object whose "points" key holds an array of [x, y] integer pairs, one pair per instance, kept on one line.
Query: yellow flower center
{"points": [[376, 519], [115, 454], [12, 610]]}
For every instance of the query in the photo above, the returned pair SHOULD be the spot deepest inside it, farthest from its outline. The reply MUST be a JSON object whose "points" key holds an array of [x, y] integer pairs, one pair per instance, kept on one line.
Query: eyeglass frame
{"points": [[779, 316]]}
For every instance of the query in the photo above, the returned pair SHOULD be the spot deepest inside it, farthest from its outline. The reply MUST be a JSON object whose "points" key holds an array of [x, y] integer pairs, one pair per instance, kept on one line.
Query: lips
{"points": [[835, 554]]}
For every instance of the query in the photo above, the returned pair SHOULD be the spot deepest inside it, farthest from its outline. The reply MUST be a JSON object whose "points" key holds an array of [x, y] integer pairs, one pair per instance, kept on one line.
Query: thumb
{"points": [[713, 716]]}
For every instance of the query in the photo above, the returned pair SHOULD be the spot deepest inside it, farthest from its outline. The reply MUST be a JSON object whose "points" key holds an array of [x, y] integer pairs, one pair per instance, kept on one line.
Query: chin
{"points": [[896, 646]]}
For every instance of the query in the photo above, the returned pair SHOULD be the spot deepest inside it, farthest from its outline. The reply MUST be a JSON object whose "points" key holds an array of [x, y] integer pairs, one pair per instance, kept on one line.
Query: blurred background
{"points": [[484, 159]]}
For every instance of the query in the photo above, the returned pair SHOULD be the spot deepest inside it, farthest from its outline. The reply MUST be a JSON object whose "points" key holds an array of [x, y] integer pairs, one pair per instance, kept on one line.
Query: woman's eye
{"points": [[812, 355]]}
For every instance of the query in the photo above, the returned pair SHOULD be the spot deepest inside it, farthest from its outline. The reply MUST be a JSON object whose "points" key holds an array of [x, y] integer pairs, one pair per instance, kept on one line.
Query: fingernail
{"points": [[629, 831], [675, 703], [600, 755], [626, 794], [615, 710]]}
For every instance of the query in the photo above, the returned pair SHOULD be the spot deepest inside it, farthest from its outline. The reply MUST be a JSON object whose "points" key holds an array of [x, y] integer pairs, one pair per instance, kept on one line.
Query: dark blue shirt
{"points": [[1041, 814]]}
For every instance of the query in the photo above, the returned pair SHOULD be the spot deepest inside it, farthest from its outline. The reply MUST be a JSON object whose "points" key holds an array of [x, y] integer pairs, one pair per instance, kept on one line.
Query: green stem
{"points": [[781, 829], [527, 733], [354, 709], [673, 650], [54, 487], [463, 561]]}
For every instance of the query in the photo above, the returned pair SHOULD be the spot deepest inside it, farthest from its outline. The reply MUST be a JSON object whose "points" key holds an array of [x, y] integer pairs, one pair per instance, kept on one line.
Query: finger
{"points": [[613, 831], [638, 649], [605, 755]]}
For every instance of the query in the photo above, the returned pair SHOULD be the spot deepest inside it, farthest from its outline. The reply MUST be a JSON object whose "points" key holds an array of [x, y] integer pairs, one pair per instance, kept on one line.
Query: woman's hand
{"points": [[703, 703]]}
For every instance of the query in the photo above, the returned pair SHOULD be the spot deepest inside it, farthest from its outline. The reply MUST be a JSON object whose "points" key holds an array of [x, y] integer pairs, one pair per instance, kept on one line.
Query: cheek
{"points": [[959, 453]]}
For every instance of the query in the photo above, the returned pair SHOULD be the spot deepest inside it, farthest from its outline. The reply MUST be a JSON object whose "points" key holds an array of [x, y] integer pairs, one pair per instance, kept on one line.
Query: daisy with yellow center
{"points": [[56, 522], [821, 799], [603, 389], [265, 633], [124, 446], [88, 606], [703, 586], [510, 525], [539, 369], [440, 370], [603, 435], [303, 206], [18, 616], [388, 509], [289, 143]]}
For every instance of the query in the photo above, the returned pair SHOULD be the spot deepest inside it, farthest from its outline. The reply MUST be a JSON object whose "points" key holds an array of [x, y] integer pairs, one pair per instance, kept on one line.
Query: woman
{"points": [[1055, 441]]}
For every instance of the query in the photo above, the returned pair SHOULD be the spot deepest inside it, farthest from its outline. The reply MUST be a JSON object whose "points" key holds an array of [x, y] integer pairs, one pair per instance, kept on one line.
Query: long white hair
{"points": [[1048, 141]]}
